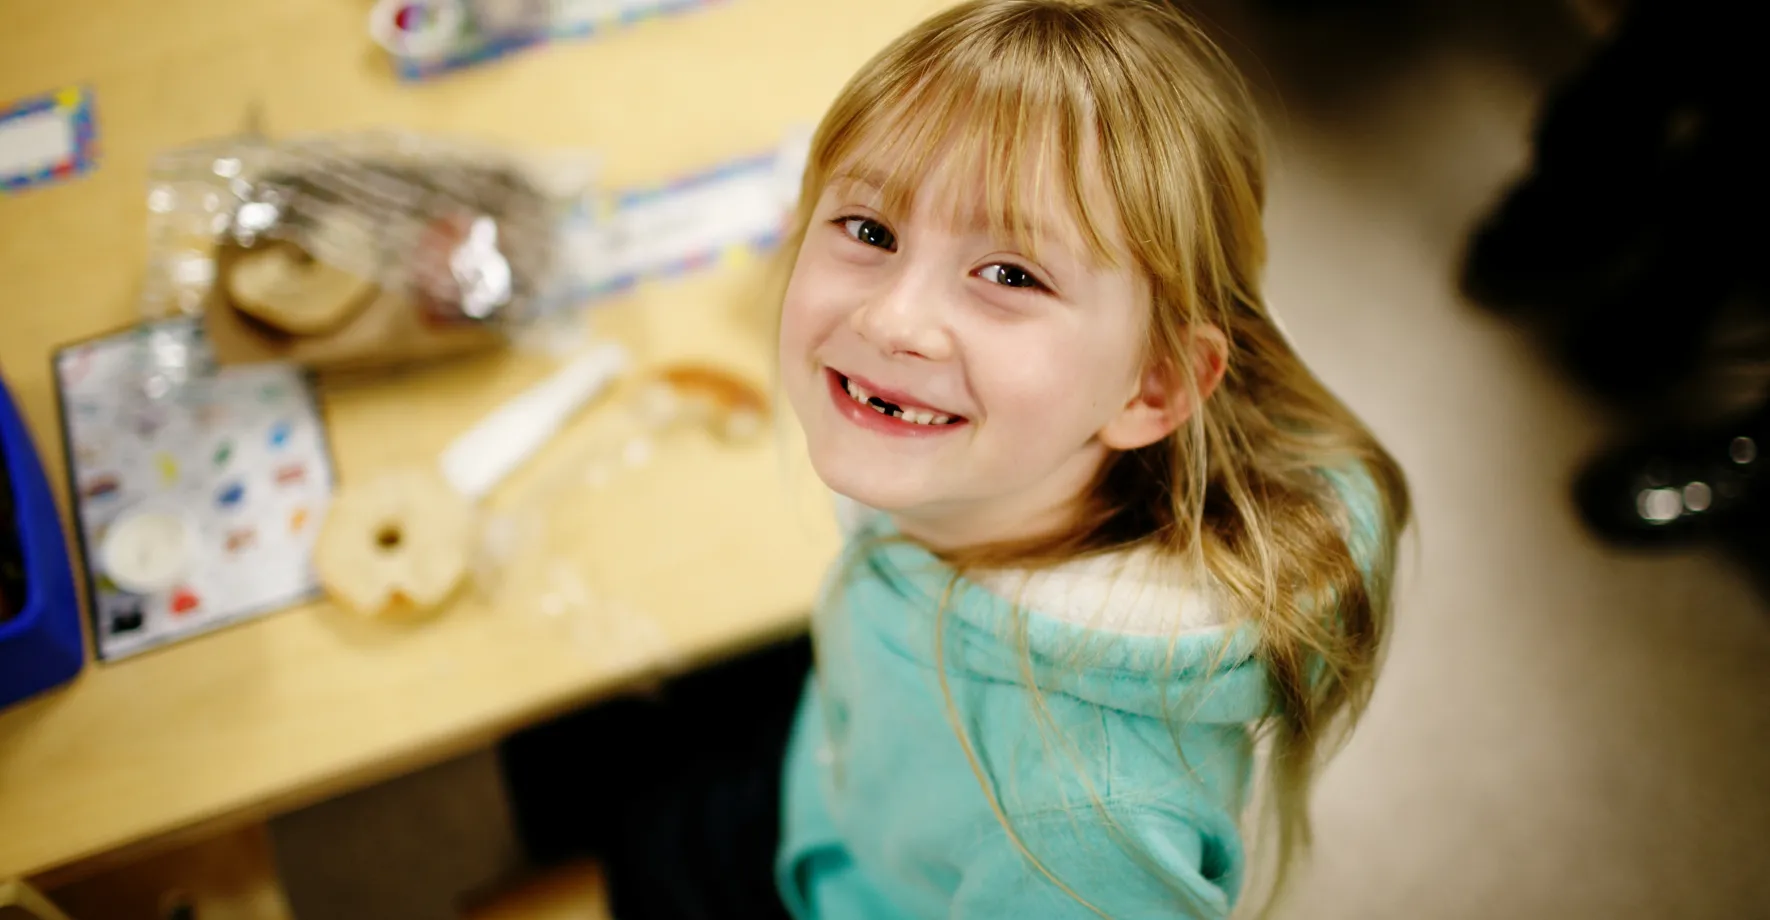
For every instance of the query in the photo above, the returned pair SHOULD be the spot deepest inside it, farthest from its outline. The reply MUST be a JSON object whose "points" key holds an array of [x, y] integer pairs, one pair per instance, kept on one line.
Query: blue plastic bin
{"points": [[40, 646]]}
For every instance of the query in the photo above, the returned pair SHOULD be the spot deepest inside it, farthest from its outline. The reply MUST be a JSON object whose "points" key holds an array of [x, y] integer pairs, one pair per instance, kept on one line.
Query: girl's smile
{"points": [[888, 412]]}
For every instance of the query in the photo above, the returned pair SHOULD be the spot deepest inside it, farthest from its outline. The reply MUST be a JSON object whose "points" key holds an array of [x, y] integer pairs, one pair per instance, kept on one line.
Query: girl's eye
{"points": [[1008, 275], [869, 231]]}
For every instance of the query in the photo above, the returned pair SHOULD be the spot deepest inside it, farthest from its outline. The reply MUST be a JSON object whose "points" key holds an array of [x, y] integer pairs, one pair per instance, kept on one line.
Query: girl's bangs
{"points": [[1001, 121]]}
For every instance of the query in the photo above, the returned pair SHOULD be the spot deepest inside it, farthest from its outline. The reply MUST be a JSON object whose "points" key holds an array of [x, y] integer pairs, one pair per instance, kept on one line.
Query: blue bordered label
{"points": [[47, 139]]}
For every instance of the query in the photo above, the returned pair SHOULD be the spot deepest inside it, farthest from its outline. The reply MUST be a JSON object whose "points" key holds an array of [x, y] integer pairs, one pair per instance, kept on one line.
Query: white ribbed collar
{"points": [[1134, 592]]}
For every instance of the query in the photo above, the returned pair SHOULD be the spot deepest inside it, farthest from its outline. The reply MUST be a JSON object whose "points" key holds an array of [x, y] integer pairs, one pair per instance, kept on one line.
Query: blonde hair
{"points": [[1253, 489]]}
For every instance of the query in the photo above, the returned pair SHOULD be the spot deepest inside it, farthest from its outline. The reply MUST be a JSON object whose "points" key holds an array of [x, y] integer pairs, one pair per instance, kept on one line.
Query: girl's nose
{"points": [[906, 319]]}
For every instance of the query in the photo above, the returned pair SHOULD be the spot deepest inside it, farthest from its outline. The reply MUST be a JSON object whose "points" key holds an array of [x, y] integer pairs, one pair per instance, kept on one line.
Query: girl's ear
{"points": [[1162, 401]]}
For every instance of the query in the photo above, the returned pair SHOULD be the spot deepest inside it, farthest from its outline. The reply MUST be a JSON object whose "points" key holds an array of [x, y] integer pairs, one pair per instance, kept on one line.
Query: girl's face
{"points": [[951, 380]]}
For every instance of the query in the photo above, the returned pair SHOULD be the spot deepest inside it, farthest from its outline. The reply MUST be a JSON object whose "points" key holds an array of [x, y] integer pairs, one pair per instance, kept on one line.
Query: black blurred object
{"points": [[1634, 246], [1635, 242], [678, 795], [1674, 489]]}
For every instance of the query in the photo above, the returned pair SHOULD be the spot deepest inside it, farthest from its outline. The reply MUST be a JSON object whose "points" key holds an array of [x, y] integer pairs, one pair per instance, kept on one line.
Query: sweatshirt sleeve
{"points": [[1157, 865]]}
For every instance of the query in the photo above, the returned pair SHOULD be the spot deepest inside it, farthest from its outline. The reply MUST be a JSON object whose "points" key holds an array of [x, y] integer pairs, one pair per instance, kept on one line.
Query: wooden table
{"points": [[718, 547]]}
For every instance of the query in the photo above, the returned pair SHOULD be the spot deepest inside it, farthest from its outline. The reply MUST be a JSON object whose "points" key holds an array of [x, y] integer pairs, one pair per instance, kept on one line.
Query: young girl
{"points": [[1106, 529], [1119, 529]]}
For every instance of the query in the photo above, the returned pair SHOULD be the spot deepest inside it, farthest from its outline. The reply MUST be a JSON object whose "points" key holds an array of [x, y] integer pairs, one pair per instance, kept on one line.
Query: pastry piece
{"points": [[397, 544], [284, 287]]}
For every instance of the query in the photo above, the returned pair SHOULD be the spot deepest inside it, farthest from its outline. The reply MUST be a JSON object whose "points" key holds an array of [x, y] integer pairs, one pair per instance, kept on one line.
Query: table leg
{"points": [[17, 897]]}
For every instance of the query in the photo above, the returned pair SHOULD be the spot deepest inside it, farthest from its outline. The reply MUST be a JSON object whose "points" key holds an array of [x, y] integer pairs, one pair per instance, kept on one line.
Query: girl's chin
{"points": [[871, 489]]}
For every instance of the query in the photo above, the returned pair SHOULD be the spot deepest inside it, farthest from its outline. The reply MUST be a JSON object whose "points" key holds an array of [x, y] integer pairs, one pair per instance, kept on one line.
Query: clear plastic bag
{"points": [[464, 233]]}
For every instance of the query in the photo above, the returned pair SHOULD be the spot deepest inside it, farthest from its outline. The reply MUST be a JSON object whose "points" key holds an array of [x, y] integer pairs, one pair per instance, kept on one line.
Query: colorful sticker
{"points": [[292, 474], [279, 434], [168, 468], [184, 601], [102, 486], [230, 495], [126, 618], [297, 520], [238, 541], [46, 139], [223, 453]]}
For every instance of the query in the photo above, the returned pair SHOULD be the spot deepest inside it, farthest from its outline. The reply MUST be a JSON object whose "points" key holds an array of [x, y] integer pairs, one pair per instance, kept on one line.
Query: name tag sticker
{"points": [[46, 139]]}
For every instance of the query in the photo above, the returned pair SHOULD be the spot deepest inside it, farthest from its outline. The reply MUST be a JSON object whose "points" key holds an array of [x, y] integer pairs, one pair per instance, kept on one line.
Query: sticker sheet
{"points": [[197, 509], [46, 139]]}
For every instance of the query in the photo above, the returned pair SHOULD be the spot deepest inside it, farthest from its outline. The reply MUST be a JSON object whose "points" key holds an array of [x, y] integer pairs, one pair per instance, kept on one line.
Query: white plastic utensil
{"points": [[480, 458]]}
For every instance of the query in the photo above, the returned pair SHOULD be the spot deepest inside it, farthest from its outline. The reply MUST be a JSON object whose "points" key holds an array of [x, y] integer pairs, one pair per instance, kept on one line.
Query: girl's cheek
{"points": [[1025, 372], [794, 338], [816, 293], [800, 299]]}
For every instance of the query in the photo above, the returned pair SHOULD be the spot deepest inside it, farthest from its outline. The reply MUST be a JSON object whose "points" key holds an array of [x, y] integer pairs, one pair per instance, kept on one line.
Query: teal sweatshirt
{"points": [[884, 817]]}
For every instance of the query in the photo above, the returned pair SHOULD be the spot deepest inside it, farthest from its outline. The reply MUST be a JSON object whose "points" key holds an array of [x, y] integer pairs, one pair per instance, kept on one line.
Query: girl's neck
{"points": [[1044, 509], [973, 526]]}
